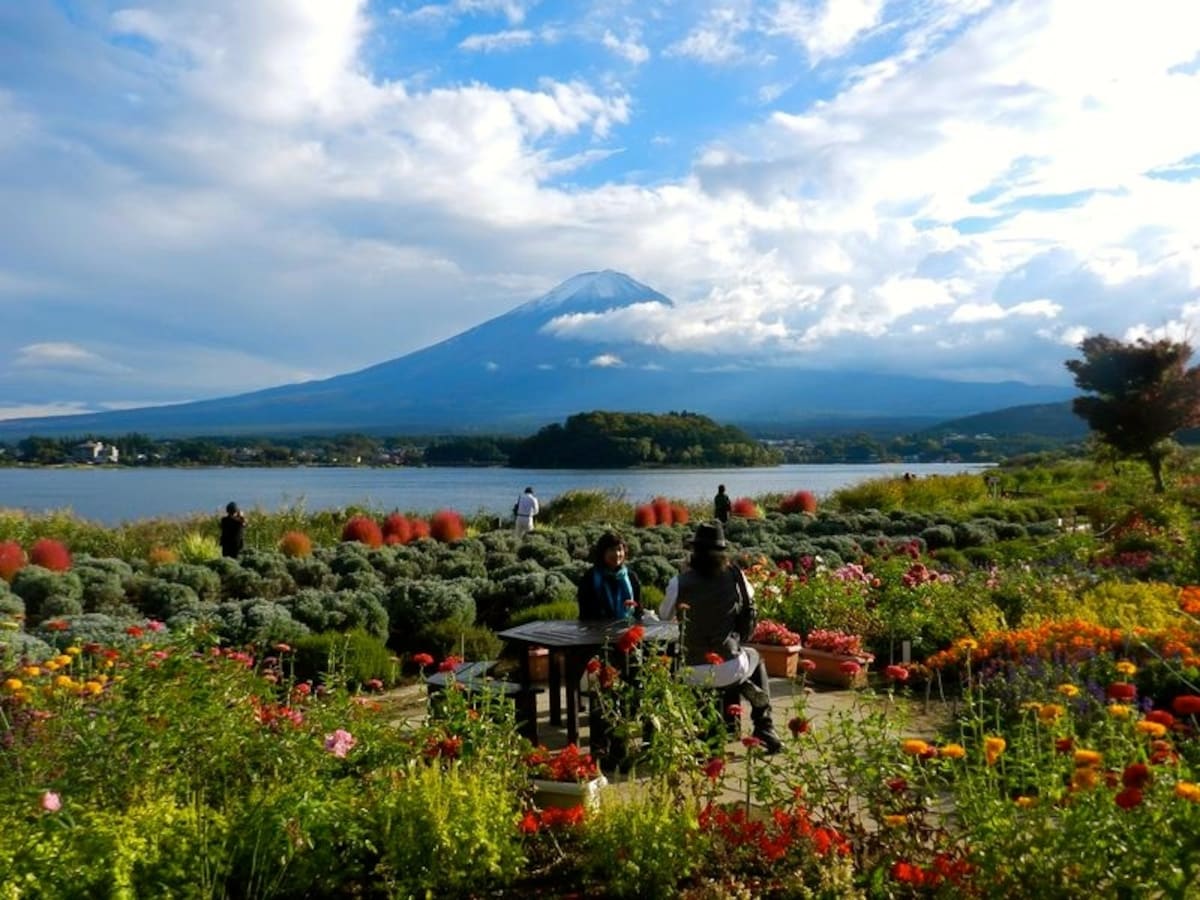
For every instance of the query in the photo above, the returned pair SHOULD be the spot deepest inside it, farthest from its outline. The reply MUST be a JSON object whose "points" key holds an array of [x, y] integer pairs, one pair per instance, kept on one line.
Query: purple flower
{"points": [[340, 743]]}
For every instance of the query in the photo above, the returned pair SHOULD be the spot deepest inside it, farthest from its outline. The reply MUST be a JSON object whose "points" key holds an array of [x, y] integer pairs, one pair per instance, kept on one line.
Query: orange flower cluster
{"points": [[774, 838]]}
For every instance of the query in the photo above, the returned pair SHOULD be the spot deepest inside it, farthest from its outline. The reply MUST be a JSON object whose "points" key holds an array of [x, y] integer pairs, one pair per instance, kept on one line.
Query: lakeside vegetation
{"points": [[178, 724]]}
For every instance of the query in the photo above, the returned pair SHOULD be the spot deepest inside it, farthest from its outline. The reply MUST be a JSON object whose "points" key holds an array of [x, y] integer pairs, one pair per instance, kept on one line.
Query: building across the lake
{"points": [[95, 452]]}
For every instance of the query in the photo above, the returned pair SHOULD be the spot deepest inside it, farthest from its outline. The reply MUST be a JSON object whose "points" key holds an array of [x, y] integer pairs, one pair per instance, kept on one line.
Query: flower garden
{"points": [[175, 724]]}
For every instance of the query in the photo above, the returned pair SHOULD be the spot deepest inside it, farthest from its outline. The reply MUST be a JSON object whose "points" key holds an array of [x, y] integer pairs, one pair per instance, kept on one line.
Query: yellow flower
{"points": [[992, 748], [64, 681], [22, 696], [1153, 729], [1026, 802], [968, 644], [9, 625], [51, 666], [1119, 710], [895, 821], [93, 687], [1068, 690], [62, 659], [953, 751], [31, 671], [1126, 668], [1188, 791], [1050, 712], [914, 747], [13, 684], [1085, 778], [102, 678], [73, 651], [1032, 706], [1088, 758]]}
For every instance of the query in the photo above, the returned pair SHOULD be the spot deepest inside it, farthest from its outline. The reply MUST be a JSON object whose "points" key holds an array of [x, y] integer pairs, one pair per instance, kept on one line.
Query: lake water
{"points": [[123, 494]]}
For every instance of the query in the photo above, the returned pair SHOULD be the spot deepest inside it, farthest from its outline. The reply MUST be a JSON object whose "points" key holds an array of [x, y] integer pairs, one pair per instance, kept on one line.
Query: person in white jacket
{"points": [[525, 509]]}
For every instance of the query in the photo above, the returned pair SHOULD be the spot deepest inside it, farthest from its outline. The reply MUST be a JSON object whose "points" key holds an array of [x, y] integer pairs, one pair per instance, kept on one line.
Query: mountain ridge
{"points": [[509, 374]]}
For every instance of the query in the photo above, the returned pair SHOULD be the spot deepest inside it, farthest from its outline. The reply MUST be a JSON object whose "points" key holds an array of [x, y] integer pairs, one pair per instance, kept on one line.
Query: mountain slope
{"points": [[508, 374]]}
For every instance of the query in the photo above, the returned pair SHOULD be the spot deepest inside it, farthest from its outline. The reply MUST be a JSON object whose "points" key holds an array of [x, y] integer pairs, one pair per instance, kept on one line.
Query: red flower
{"points": [[1121, 690], [734, 711], [798, 725], [374, 684], [1064, 745], [714, 767], [896, 673], [751, 742], [1136, 775], [713, 659], [908, 873], [449, 664], [850, 667], [1186, 705], [57, 625], [630, 638], [593, 666], [1161, 716], [897, 785], [806, 665], [1128, 798], [422, 659], [135, 631], [529, 823]]}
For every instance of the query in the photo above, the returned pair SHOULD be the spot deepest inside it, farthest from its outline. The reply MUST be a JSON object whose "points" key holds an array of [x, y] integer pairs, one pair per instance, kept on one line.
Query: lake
{"points": [[113, 495]]}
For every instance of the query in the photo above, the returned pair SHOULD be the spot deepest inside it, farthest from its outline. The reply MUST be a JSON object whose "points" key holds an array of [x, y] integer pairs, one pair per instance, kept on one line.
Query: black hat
{"points": [[709, 536]]}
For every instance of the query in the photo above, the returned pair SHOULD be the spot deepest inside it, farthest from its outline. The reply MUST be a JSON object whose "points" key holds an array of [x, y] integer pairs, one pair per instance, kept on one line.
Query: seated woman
{"points": [[718, 613], [609, 590]]}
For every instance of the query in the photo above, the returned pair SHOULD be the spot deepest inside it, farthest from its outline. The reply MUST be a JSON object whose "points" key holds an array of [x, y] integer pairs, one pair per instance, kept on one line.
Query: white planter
{"points": [[566, 794]]}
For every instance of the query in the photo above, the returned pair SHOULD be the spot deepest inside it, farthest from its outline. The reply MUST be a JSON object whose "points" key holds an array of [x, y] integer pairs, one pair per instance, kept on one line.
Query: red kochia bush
{"points": [[363, 530], [420, 529], [50, 554], [745, 508], [295, 544], [663, 514], [12, 559], [447, 526], [397, 529], [799, 502], [644, 516], [679, 514]]}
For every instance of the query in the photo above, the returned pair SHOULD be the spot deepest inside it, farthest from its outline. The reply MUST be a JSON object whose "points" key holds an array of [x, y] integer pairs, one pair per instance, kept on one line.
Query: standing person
{"points": [[525, 509], [233, 530], [609, 590], [720, 615], [721, 504]]}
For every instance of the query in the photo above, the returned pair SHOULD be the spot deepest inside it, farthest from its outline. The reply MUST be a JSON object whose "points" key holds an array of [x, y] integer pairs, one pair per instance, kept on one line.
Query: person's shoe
{"points": [[765, 732]]}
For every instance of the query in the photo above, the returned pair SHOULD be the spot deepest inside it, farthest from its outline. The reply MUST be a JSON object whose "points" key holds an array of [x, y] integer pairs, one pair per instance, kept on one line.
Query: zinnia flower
{"points": [[1064, 745], [1068, 690], [422, 660], [1084, 779], [993, 747], [1050, 711], [1154, 729], [1121, 690], [1188, 791], [714, 767], [593, 666], [751, 742], [806, 665], [953, 751], [1128, 798], [1025, 802], [1161, 716], [1186, 705], [714, 659], [529, 823], [1119, 710], [895, 820], [631, 638], [850, 667], [1088, 758], [1126, 668], [734, 711], [449, 664], [896, 673], [1136, 775], [797, 725], [914, 747], [340, 743], [51, 802]]}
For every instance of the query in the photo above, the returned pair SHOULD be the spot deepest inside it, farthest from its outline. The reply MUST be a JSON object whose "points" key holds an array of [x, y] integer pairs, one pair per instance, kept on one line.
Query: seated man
{"points": [[716, 605]]}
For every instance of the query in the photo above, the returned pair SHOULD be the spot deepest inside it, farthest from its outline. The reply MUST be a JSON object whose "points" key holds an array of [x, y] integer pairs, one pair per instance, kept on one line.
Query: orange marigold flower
{"points": [[1088, 758], [1050, 711], [1187, 790], [1025, 802], [993, 747], [1154, 729], [914, 747], [953, 751]]}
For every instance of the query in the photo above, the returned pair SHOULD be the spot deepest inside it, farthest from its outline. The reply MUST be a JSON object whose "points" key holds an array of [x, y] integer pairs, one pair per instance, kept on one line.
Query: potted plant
{"points": [[835, 657], [565, 779], [778, 647]]}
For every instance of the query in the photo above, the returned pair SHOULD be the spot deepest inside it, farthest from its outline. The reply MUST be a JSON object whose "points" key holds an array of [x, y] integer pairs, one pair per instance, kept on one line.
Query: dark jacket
{"points": [[721, 614], [592, 601], [233, 534]]}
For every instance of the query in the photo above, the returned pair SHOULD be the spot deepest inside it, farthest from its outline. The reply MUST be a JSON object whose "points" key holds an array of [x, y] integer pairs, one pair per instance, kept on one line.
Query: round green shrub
{"points": [[353, 657], [938, 536], [415, 605], [18, 646], [311, 572], [47, 594], [103, 590], [256, 621], [202, 580], [653, 570]]}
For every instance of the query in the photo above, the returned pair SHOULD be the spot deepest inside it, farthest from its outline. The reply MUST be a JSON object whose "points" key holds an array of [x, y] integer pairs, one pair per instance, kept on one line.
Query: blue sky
{"points": [[210, 196]]}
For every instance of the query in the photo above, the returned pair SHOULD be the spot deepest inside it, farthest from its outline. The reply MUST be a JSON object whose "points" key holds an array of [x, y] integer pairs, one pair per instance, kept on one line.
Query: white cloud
{"points": [[630, 49], [64, 355], [606, 361], [32, 410], [827, 31], [497, 41], [717, 39], [992, 312]]}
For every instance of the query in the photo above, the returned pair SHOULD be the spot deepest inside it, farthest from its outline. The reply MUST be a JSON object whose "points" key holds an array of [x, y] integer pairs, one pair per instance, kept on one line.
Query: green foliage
{"points": [[48, 594], [559, 609], [453, 638], [1114, 604], [582, 507], [643, 846], [412, 606], [351, 658], [198, 548]]}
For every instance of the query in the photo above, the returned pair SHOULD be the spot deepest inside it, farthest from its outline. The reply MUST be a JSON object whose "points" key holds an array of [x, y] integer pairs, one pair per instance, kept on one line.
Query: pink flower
{"points": [[850, 667], [155, 625], [340, 743], [374, 684], [51, 802], [806, 665], [896, 673]]}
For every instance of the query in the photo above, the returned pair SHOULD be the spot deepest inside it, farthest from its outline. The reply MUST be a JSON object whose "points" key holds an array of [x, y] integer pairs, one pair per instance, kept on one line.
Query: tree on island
{"points": [[1142, 393]]}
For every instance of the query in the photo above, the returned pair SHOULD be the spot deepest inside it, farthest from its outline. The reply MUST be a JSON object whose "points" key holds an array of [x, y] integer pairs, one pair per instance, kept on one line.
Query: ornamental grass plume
{"points": [[664, 514], [420, 529]]}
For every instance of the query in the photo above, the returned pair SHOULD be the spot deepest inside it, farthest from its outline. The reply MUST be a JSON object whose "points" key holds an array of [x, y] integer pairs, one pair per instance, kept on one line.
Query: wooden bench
{"points": [[475, 678]]}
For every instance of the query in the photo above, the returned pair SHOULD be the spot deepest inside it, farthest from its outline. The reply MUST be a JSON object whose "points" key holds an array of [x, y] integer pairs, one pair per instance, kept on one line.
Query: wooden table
{"points": [[577, 641]]}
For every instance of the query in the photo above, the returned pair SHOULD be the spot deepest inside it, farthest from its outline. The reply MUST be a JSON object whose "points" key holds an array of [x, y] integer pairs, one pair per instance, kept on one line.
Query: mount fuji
{"points": [[512, 374]]}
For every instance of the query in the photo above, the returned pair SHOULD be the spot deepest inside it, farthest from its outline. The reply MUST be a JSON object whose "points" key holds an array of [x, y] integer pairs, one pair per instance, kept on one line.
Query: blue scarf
{"points": [[614, 588]]}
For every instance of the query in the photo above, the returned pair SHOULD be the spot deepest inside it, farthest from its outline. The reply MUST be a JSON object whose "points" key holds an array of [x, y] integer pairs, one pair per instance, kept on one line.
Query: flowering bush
{"points": [[12, 558], [644, 516], [799, 502], [836, 642], [745, 508], [397, 529], [420, 529], [771, 632], [447, 526], [295, 545]]}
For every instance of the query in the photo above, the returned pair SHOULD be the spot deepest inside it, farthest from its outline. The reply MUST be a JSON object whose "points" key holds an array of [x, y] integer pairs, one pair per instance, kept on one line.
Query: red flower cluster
{"points": [[449, 664], [447, 526], [896, 673], [770, 632], [773, 839], [1122, 691], [449, 747], [422, 660], [568, 765], [945, 869], [551, 819], [799, 502], [12, 559], [273, 715]]}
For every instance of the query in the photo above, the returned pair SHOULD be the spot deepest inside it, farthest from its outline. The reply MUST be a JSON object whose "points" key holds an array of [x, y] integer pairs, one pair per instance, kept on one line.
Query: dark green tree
{"points": [[1138, 395]]}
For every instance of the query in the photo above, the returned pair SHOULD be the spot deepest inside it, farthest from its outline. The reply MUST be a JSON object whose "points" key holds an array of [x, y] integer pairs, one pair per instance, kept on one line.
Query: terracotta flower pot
{"points": [[829, 668], [566, 794], [539, 664], [780, 659]]}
